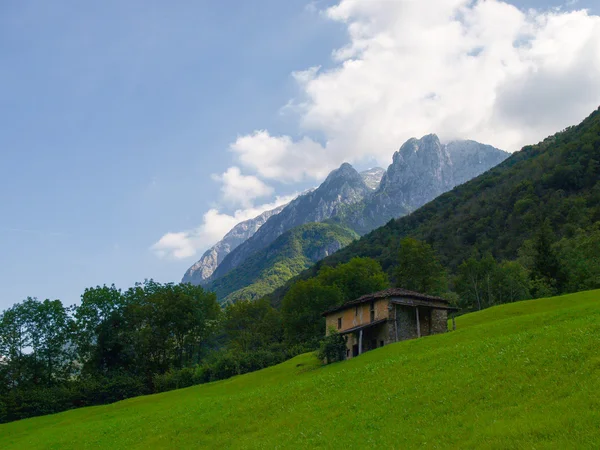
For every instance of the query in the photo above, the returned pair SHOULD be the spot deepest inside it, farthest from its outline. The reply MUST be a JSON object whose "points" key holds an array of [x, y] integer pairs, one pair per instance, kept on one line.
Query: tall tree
{"points": [[357, 277], [419, 268], [302, 310], [546, 265], [475, 282]]}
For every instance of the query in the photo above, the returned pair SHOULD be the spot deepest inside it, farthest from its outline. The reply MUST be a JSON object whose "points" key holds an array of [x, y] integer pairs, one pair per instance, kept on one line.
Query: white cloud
{"points": [[281, 158], [239, 189], [185, 244], [481, 70]]}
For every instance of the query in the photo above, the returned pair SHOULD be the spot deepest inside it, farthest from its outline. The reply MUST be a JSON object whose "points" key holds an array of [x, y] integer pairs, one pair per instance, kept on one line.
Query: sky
{"points": [[136, 134]]}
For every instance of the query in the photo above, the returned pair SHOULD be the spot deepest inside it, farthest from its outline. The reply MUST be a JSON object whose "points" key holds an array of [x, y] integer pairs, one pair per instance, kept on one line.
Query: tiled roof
{"points": [[392, 292]]}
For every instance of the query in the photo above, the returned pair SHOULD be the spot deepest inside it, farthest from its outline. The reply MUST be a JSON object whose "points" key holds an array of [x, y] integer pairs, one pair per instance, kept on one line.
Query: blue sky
{"points": [[117, 116]]}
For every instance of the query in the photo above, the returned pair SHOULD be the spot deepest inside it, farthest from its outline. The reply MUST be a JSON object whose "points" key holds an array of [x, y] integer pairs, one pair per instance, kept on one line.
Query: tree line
{"points": [[155, 337]]}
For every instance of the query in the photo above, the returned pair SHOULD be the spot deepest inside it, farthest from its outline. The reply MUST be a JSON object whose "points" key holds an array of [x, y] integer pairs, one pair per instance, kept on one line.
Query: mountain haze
{"points": [[204, 268], [287, 256], [343, 186]]}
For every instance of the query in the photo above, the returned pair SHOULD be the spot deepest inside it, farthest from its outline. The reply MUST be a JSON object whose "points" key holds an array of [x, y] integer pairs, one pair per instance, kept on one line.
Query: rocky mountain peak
{"points": [[343, 186], [202, 270], [372, 177]]}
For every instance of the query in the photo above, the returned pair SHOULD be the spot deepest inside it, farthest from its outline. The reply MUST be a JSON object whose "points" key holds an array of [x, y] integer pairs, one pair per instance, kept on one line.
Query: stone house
{"points": [[388, 316]]}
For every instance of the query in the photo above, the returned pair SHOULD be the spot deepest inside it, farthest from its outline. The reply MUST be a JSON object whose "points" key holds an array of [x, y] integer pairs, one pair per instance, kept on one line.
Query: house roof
{"points": [[393, 292]]}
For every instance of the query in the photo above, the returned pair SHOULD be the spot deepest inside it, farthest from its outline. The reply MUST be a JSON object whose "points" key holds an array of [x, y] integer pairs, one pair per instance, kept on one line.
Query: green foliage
{"points": [[251, 325], [518, 375], [580, 259], [419, 269], [482, 282], [357, 277], [546, 265], [302, 308], [333, 347], [36, 341], [290, 254]]}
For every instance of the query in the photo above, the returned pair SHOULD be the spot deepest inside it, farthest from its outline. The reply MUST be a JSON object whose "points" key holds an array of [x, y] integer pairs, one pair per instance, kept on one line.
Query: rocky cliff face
{"points": [[471, 159], [420, 171], [372, 177], [343, 186], [201, 271]]}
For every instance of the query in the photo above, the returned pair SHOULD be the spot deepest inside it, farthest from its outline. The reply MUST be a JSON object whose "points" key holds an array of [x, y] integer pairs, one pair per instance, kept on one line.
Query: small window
{"points": [[381, 343], [356, 311], [339, 323], [372, 310]]}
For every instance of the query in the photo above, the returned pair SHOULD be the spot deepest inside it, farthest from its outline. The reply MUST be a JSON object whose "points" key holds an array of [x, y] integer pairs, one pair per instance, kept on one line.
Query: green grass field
{"points": [[524, 375]]}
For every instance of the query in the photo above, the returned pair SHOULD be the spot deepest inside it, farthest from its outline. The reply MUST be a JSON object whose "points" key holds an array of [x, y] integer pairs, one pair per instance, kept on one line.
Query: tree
{"points": [[546, 265], [333, 347], [475, 282], [357, 277], [580, 259], [419, 268], [302, 310], [511, 282], [98, 305], [251, 325], [35, 343]]}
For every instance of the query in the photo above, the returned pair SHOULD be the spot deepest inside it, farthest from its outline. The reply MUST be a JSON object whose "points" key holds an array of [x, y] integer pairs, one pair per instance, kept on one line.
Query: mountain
{"points": [[470, 159], [557, 180], [342, 187], [287, 256], [372, 177], [421, 170], [205, 266]]}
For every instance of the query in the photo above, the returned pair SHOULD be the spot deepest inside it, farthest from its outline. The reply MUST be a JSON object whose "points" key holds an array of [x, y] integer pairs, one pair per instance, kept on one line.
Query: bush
{"points": [[333, 347]]}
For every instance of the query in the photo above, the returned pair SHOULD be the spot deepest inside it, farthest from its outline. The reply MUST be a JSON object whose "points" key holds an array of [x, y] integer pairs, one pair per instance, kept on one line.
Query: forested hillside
{"points": [[547, 194], [290, 254]]}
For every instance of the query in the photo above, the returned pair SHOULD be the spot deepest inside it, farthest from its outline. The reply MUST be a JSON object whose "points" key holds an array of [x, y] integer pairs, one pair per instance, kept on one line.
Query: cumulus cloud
{"points": [[239, 189], [481, 70], [215, 224]]}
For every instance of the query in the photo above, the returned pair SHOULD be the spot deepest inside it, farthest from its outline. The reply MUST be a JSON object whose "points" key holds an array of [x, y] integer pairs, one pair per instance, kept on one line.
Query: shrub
{"points": [[333, 347]]}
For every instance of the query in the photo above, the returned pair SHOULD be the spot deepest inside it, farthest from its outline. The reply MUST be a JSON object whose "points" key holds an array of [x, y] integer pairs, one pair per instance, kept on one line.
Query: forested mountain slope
{"points": [[200, 271], [557, 180], [291, 253]]}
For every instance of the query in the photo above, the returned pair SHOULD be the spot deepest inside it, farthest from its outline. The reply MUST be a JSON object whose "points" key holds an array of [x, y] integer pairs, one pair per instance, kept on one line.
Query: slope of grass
{"points": [[524, 375]]}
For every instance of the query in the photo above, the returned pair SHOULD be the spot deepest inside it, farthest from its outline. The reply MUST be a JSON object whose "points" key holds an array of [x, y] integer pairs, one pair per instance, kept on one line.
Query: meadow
{"points": [[520, 375]]}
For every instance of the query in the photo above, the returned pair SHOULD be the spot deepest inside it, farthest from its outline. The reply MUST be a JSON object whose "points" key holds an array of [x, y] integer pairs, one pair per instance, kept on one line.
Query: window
{"points": [[372, 310], [381, 343], [339, 323], [356, 311]]}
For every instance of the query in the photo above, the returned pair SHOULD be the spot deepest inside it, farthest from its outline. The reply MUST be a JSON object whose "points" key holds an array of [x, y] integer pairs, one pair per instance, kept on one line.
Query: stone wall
{"points": [[439, 321]]}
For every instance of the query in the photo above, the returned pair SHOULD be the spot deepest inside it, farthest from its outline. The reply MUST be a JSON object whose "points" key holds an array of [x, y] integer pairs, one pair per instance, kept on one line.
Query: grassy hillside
{"points": [[523, 375], [290, 254]]}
